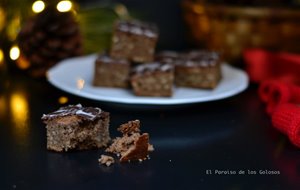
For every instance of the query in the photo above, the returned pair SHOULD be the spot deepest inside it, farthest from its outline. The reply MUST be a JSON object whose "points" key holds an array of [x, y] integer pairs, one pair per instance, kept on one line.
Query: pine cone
{"points": [[49, 37]]}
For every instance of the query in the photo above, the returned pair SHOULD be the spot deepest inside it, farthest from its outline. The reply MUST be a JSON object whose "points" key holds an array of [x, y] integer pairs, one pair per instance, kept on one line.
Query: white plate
{"points": [[75, 76]]}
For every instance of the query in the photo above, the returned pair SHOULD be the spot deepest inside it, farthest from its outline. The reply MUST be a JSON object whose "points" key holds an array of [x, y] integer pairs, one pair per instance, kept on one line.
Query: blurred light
{"points": [[199, 9], [3, 109], [2, 18], [80, 84], [121, 11], [22, 62], [19, 109], [1, 57], [64, 6], [14, 53], [63, 100], [38, 6], [13, 26]]}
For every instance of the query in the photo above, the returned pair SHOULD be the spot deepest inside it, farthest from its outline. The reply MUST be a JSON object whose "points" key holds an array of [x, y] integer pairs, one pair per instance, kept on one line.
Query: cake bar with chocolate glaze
{"points": [[196, 69], [153, 79], [134, 40], [75, 127], [111, 72]]}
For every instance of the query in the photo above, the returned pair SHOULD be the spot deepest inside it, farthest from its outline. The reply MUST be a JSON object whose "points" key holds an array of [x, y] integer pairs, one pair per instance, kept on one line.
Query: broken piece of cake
{"points": [[132, 146], [75, 127]]}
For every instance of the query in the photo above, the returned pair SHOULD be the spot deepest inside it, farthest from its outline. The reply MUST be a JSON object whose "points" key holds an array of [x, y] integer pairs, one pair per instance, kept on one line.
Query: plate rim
{"points": [[143, 100]]}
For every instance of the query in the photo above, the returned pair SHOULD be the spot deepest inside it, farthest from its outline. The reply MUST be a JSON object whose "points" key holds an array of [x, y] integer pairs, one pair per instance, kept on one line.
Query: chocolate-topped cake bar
{"points": [[111, 72], [134, 40], [76, 127], [153, 79], [198, 69]]}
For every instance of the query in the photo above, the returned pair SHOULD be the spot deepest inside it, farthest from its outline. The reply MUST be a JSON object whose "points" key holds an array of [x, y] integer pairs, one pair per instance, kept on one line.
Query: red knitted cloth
{"points": [[274, 93], [286, 118], [278, 76]]}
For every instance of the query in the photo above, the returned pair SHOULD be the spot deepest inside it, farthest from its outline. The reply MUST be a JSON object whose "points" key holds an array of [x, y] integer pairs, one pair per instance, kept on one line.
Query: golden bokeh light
{"points": [[63, 100], [19, 109], [14, 52], [22, 62], [12, 27], [2, 106], [2, 18], [64, 6], [38, 6], [1, 57]]}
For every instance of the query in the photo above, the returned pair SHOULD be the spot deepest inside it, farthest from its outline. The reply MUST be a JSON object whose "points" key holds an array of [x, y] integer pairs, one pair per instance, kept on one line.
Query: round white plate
{"points": [[75, 76]]}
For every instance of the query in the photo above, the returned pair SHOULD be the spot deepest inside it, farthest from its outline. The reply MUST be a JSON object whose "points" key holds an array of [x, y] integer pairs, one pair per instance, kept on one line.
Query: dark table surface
{"points": [[193, 144]]}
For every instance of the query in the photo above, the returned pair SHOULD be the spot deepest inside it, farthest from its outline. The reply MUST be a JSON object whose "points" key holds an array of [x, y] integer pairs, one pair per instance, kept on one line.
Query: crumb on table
{"points": [[106, 160]]}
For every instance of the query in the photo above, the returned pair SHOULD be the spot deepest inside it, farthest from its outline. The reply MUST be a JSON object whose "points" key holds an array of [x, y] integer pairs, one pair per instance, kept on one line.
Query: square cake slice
{"points": [[76, 127], [153, 79], [198, 69], [110, 72], [134, 40]]}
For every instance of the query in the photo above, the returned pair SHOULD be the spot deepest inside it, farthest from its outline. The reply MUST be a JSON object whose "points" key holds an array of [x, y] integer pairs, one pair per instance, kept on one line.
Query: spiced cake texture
{"points": [[76, 127], [196, 69], [134, 40], [132, 146], [111, 72], [153, 79]]}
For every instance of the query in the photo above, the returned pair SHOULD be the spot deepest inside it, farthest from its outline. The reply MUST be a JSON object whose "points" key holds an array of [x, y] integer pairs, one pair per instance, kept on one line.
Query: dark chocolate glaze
{"points": [[86, 113]]}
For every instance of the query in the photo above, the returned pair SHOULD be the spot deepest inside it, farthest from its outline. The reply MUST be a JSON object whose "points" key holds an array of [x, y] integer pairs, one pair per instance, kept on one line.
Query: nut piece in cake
{"points": [[107, 160], [132, 146], [153, 79], [134, 40], [110, 72], [76, 127]]}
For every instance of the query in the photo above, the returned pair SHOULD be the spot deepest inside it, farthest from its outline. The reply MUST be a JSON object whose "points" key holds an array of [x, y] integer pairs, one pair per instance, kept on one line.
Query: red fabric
{"points": [[286, 118], [263, 65], [276, 92], [278, 75]]}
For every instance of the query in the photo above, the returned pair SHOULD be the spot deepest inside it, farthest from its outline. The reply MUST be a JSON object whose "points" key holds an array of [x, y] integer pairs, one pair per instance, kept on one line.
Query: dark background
{"points": [[165, 13]]}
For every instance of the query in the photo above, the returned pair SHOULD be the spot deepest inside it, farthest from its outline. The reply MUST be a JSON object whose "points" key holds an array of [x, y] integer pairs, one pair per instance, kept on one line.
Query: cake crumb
{"points": [[106, 160], [133, 145]]}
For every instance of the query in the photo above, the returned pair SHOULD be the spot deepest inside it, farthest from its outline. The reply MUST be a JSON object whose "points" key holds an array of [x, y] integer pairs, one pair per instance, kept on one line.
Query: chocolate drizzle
{"points": [[104, 58], [87, 113], [201, 58], [138, 28], [152, 67]]}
